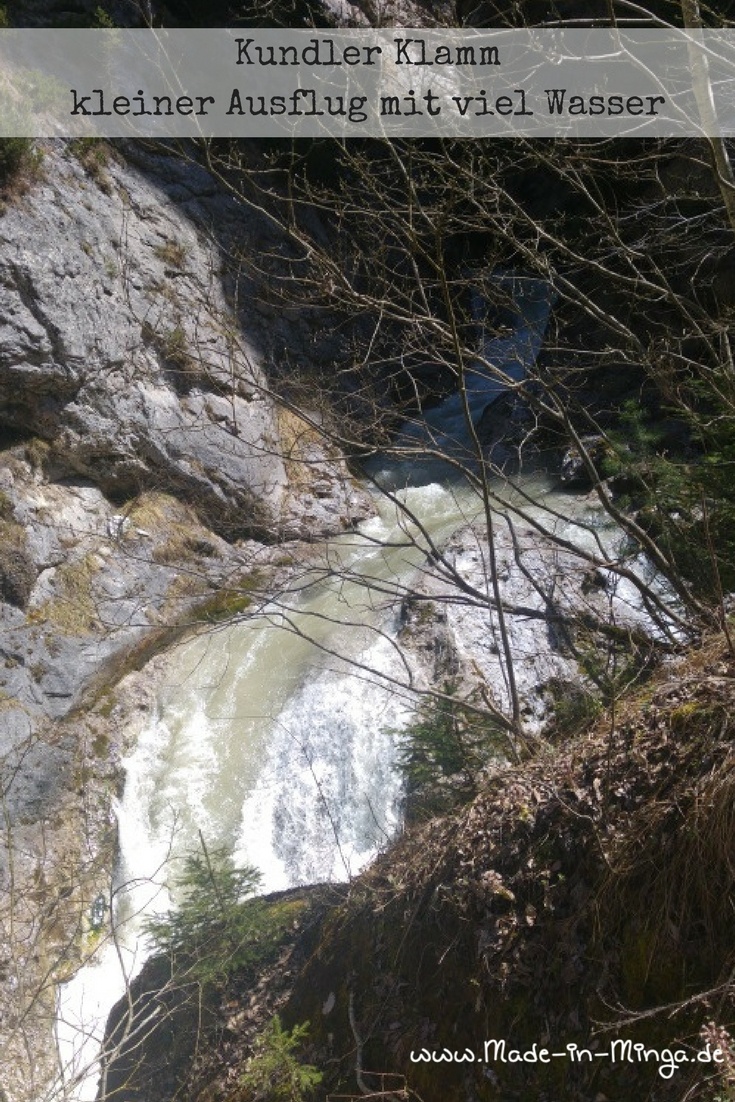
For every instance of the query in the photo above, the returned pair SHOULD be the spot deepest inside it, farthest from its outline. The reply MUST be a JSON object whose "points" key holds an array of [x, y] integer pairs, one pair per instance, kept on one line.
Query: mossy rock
{"points": [[695, 717]]}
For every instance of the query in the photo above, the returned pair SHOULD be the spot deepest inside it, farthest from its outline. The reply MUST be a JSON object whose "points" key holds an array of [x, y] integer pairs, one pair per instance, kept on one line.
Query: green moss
{"points": [[105, 703], [231, 600], [695, 718], [101, 744], [225, 604]]}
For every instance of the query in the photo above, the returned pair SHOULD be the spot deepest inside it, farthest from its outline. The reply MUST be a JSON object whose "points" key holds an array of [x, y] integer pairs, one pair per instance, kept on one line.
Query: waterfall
{"points": [[328, 793], [275, 738], [271, 746], [502, 361]]}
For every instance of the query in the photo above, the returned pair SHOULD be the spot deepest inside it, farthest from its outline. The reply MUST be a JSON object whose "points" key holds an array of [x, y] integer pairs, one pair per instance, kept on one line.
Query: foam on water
{"points": [[328, 794], [269, 749]]}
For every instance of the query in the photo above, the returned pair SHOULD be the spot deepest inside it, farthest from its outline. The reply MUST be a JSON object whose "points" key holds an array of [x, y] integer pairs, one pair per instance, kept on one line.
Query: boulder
{"points": [[574, 473]]}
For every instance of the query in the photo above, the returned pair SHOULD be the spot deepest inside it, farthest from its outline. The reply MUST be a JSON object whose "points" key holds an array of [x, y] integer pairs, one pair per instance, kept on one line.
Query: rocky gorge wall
{"points": [[149, 479], [145, 470]]}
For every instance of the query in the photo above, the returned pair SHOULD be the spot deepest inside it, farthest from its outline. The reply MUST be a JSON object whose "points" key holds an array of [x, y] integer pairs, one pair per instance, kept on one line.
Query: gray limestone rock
{"points": [[119, 348], [555, 620]]}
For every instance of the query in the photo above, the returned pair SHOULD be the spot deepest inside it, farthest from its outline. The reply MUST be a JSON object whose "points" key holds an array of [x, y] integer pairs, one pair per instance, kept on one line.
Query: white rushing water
{"points": [[275, 738], [270, 746]]}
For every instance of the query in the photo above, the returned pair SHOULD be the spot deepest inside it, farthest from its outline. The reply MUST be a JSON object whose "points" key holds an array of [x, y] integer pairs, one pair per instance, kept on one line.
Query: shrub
{"points": [[94, 155], [443, 754], [274, 1073], [172, 253], [15, 154], [215, 927]]}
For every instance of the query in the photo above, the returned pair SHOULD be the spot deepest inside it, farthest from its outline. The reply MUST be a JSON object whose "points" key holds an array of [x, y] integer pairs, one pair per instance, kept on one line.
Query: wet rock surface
{"points": [[556, 612]]}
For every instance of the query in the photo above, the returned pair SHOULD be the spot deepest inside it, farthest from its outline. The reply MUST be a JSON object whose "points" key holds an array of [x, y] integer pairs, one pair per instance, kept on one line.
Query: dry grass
{"points": [[172, 253], [299, 443], [95, 156], [172, 526], [670, 889], [595, 884], [17, 571], [73, 610]]}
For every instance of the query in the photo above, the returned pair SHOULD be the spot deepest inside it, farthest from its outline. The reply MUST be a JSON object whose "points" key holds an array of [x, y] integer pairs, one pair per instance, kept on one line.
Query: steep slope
{"points": [[582, 897]]}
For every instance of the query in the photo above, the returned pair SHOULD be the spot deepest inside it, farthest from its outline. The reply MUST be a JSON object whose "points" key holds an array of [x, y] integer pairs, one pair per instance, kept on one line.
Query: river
{"points": [[274, 736]]}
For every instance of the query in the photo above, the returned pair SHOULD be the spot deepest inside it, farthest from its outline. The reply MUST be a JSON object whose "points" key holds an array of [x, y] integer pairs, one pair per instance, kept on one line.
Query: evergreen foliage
{"points": [[215, 927], [443, 754], [14, 154], [274, 1072], [684, 497]]}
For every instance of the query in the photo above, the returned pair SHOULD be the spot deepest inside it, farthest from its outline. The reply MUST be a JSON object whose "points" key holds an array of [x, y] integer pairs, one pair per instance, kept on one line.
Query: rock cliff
{"points": [[564, 619], [145, 469], [120, 350]]}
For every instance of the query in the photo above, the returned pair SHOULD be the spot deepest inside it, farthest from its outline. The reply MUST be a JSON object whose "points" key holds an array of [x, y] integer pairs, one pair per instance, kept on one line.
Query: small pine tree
{"points": [[216, 927], [274, 1073], [442, 755], [14, 155]]}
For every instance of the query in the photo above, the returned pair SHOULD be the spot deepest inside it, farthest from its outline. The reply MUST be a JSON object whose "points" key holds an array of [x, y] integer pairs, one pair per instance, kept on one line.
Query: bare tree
{"points": [[422, 261]]}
